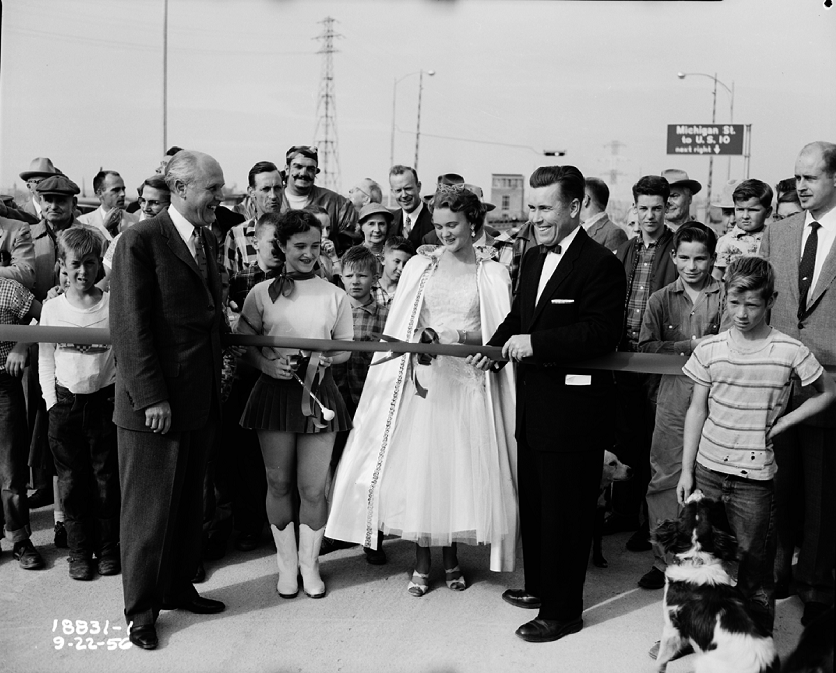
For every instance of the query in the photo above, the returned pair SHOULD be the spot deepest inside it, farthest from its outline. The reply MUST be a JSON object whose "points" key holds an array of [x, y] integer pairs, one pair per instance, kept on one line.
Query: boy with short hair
{"points": [[78, 387], [17, 305], [266, 263], [752, 207], [396, 253], [742, 384], [677, 318]]}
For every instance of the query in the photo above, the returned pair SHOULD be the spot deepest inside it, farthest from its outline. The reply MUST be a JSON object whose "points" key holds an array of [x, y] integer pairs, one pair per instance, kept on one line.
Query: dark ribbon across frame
{"points": [[649, 363]]}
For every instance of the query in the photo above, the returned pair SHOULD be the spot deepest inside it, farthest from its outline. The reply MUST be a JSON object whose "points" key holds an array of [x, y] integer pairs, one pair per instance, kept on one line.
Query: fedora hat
{"points": [[725, 200], [676, 177], [39, 168], [374, 209]]}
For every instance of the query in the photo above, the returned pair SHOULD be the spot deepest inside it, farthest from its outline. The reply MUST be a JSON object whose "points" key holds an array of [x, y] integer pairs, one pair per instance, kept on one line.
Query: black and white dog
{"points": [[613, 470], [701, 607]]}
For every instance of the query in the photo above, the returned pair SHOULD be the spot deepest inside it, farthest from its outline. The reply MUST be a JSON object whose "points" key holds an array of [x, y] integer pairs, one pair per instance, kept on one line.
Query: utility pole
{"points": [[325, 133], [615, 147], [165, 77]]}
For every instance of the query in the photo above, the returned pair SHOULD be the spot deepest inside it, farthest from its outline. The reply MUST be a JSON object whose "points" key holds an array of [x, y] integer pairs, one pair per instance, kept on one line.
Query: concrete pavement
{"points": [[367, 622]]}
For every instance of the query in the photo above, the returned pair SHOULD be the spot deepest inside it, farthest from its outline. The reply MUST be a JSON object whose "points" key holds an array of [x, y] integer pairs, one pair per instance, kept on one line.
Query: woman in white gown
{"points": [[432, 454]]}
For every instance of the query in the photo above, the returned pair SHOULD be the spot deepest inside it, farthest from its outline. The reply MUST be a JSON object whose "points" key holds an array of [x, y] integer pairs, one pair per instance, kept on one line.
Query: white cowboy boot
{"points": [[287, 560], [309, 542]]}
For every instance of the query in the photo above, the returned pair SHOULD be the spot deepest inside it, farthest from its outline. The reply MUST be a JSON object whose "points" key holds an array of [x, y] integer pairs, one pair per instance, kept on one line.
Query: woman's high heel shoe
{"points": [[419, 584], [455, 579]]}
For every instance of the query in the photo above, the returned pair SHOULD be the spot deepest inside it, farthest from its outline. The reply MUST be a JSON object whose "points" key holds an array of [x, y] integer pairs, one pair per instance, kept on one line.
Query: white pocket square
{"points": [[563, 301]]}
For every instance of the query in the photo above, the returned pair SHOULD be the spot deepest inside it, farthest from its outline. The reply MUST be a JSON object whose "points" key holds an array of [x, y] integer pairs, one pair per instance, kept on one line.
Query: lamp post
{"points": [[683, 75], [394, 100]]}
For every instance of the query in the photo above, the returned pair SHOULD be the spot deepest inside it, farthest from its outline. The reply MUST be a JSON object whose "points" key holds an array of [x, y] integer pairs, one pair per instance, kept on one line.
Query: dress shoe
{"points": [[199, 574], [247, 541], [329, 544], [196, 604], [652, 579], [616, 523], [684, 652], [546, 630], [144, 637], [109, 565], [215, 548], [520, 599], [81, 568], [782, 590], [40, 498], [640, 540], [28, 557], [60, 535], [812, 610]]}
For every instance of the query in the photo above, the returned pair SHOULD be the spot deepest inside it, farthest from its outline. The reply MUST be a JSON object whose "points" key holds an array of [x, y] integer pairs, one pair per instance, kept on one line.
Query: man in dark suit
{"points": [[166, 317], [413, 220], [802, 249], [568, 310], [598, 226]]}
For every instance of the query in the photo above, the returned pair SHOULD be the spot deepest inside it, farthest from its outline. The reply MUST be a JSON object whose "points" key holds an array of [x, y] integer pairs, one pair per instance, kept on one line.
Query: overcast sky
{"points": [[81, 82]]}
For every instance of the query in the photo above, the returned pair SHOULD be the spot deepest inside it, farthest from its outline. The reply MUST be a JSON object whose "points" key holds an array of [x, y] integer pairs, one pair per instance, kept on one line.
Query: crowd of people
{"points": [[158, 448]]}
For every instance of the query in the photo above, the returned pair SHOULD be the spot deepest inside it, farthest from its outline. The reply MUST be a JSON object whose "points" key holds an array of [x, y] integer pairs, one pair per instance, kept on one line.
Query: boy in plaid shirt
{"points": [[17, 305]]}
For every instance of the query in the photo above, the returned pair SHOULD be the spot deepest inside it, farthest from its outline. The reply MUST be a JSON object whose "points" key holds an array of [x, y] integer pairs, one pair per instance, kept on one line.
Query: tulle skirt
{"points": [[441, 482], [276, 404]]}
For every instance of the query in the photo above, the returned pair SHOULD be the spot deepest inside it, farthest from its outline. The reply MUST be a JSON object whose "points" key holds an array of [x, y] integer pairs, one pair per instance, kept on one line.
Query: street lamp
{"points": [[394, 99], [683, 75]]}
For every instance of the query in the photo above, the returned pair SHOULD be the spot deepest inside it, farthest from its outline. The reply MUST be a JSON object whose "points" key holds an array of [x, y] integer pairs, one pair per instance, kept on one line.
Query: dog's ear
{"points": [[725, 545], [666, 534]]}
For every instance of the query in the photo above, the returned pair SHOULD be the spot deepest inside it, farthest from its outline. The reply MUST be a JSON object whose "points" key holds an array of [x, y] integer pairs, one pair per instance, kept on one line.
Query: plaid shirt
{"points": [[381, 296], [638, 290], [244, 281], [351, 375], [511, 247], [238, 250], [15, 302]]}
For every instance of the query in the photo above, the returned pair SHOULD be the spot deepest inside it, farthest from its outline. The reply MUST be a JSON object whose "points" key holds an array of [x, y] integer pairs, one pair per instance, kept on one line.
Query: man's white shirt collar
{"points": [[37, 206], [552, 261], [592, 221], [184, 228]]}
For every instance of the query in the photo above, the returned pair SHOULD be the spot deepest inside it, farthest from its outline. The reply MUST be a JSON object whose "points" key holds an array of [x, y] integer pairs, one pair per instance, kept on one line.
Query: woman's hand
{"points": [[325, 361], [278, 368]]}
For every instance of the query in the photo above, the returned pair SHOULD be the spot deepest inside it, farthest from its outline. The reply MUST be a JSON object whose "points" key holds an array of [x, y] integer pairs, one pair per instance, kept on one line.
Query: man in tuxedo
{"points": [[802, 250], [166, 317], [568, 310], [594, 215], [110, 217], [413, 220]]}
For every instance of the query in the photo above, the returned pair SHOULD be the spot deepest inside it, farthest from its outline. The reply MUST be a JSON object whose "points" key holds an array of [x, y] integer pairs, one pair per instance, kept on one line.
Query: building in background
{"points": [[507, 194]]}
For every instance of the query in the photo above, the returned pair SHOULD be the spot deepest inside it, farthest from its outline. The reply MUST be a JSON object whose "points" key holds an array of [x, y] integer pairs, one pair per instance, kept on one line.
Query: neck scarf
{"points": [[285, 281]]}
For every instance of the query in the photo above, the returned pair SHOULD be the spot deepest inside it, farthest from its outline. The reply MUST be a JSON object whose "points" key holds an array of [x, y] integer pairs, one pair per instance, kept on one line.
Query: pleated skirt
{"points": [[276, 404]]}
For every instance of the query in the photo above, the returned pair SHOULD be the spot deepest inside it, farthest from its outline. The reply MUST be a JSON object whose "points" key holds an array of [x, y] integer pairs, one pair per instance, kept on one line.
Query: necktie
{"points": [[807, 267], [408, 224], [200, 254]]}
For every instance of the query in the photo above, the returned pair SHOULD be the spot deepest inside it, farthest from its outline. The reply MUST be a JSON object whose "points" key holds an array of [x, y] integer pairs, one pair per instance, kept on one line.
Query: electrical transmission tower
{"points": [[325, 133], [615, 147]]}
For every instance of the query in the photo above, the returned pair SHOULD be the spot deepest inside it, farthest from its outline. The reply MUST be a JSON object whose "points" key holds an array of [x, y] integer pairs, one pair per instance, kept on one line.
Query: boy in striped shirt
{"points": [[742, 383]]}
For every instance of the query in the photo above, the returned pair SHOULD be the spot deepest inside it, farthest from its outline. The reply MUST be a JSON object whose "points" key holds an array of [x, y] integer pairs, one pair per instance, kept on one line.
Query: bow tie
{"points": [[546, 249]]}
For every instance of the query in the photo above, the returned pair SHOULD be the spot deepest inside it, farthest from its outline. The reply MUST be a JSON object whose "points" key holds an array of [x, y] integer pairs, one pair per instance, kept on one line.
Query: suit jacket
{"points": [[781, 245], [607, 233], [94, 219], [583, 323], [165, 325], [421, 228], [16, 241]]}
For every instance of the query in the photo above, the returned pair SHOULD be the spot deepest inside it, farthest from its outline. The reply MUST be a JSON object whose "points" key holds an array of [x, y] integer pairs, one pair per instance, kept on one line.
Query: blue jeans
{"points": [[750, 508], [83, 441], [14, 448]]}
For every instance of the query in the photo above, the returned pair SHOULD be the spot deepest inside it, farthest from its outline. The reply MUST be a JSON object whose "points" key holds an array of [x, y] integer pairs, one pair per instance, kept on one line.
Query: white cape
{"points": [[356, 494]]}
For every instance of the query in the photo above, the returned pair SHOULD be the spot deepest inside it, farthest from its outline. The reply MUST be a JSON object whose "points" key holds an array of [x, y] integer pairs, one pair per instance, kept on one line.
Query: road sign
{"points": [[716, 139]]}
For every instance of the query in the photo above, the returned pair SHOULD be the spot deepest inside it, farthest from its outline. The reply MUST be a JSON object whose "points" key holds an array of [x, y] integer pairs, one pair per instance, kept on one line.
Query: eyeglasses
{"points": [[358, 189], [34, 182]]}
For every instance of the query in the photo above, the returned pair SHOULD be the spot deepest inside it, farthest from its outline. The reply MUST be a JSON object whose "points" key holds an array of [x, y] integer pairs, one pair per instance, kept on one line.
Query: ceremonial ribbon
{"points": [[649, 363]]}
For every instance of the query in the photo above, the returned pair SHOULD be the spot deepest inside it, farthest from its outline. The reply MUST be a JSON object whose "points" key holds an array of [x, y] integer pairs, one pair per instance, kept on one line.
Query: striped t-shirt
{"points": [[749, 390]]}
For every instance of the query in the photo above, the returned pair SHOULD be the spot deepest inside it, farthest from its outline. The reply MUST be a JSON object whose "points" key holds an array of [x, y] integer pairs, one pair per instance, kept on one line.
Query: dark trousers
{"points": [[82, 438], [558, 493], [635, 418], [240, 458], [14, 447], [162, 507], [806, 458]]}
